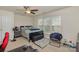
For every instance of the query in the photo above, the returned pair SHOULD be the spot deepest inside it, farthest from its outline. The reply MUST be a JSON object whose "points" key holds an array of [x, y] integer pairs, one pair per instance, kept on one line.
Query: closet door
{"points": [[0, 29], [7, 24]]}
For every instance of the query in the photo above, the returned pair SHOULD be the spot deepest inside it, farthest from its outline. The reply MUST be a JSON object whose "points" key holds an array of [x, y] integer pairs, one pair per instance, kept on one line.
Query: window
{"points": [[56, 24], [46, 24], [40, 23], [56, 21], [50, 24]]}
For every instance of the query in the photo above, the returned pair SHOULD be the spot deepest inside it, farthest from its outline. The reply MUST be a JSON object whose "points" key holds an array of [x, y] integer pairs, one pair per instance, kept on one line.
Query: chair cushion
{"points": [[56, 36]]}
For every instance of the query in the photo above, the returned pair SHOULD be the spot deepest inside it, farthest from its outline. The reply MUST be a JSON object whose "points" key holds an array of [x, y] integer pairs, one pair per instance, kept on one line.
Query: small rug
{"points": [[42, 43], [24, 49]]}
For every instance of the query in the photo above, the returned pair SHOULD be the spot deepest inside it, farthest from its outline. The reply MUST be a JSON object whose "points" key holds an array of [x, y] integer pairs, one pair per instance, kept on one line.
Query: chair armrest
{"points": [[0, 46], [0, 43]]}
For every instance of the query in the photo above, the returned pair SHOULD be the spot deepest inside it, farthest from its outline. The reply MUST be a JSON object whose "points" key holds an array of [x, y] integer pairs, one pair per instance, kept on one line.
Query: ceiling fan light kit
{"points": [[28, 11]]}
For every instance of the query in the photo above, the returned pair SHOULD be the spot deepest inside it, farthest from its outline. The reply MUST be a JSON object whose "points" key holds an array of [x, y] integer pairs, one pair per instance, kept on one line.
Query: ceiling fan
{"points": [[28, 10]]}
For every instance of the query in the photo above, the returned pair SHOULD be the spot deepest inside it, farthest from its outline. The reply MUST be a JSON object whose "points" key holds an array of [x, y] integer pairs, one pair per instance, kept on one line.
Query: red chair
{"points": [[5, 42]]}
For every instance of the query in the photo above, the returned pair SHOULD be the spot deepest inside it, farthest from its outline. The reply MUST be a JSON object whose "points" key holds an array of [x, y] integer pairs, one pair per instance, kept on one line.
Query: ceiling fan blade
{"points": [[34, 10]]}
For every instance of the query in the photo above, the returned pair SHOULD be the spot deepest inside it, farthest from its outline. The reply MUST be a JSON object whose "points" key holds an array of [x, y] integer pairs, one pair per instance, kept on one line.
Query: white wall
{"points": [[21, 20], [70, 22]]}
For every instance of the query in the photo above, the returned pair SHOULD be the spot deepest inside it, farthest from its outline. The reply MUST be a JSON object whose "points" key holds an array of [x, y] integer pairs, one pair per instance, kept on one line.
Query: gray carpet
{"points": [[24, 49]]}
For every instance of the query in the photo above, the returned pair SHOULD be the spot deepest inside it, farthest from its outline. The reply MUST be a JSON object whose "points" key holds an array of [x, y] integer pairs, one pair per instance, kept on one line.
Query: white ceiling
{"points": [[42, 9]]}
